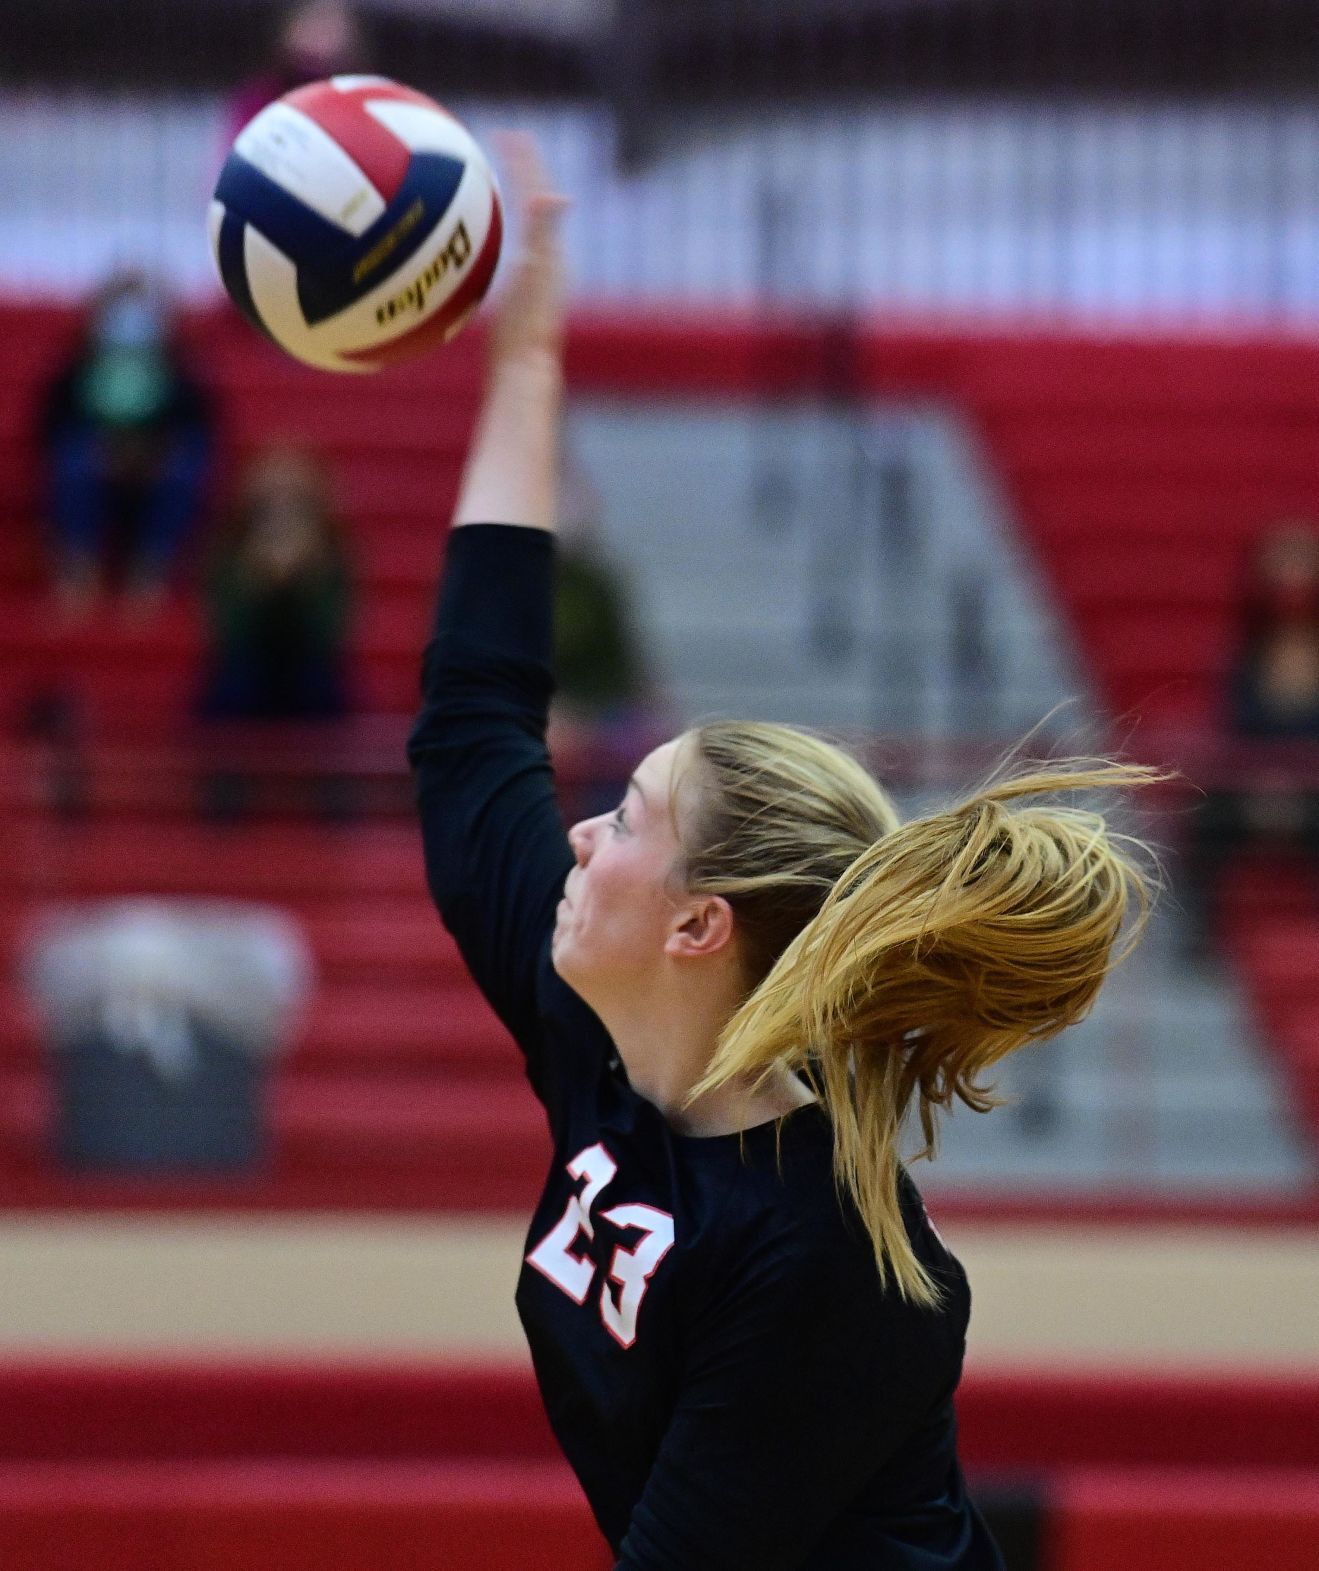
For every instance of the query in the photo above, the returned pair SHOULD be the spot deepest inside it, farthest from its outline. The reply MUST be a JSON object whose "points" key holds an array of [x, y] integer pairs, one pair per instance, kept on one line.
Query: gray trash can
{"points": [[164, 1018]]}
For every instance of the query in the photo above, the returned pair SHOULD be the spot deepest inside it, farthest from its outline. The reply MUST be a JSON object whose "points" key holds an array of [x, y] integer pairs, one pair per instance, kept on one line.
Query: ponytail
{"points": [[944, 944]]}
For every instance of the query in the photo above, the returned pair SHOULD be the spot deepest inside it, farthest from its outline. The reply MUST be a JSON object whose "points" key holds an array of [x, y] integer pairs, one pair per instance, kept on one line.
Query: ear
{"points": [[703, 927]]}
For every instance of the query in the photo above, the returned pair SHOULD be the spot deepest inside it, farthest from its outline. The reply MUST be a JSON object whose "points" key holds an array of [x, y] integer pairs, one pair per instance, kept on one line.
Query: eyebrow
{"points": [[632, 781]]}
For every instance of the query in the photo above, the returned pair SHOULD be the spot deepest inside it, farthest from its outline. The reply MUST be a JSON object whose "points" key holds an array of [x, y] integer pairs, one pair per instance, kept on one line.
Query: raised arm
{"points": [[496, 852], [513, 468]]}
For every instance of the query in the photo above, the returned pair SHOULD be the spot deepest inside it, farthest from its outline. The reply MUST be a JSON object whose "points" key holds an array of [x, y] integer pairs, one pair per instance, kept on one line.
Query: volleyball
{"points": [[356, 223]]}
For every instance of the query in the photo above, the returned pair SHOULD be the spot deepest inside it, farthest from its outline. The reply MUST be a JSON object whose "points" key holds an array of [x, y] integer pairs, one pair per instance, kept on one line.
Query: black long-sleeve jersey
{"points": [[727, 1376]]}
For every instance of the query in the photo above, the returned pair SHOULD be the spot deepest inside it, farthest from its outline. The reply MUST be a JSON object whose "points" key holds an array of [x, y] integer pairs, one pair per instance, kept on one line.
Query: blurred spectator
{"points": [[606, 713], [278, 598], [1273, 697], [279, 602], [319, 39], [126, 440]]}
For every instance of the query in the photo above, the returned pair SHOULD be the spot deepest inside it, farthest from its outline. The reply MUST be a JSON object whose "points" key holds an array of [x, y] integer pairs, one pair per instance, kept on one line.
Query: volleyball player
{"points": [[729, 993]]}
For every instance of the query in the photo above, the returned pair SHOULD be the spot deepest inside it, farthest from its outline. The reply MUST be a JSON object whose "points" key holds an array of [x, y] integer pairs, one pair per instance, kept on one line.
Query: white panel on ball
{"points": [[348, 82], [422, 130], [273, 280], [296, 154]]}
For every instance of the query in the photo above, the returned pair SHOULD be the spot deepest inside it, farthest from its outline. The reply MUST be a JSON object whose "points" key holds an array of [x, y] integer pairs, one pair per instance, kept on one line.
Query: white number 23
{"points": [[632, 1269]]}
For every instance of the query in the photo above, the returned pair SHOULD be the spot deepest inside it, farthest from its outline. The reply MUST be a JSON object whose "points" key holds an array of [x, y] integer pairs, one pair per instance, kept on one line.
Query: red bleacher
{"points": [[290, 1516], [401, 1081], [1140, 471], [301, 1466], [1008, 1425]]}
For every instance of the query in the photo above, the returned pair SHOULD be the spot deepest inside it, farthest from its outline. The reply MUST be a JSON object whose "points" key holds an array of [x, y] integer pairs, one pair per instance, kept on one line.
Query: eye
{"points": [[618, 821]]}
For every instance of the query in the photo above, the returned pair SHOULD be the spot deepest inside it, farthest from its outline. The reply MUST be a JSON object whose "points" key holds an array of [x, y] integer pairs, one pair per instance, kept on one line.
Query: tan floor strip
{"points": [[393, 1287]]}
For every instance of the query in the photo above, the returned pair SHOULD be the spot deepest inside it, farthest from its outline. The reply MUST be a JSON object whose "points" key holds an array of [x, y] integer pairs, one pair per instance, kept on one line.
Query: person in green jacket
{"points": [[279, 603], [279, 599]]}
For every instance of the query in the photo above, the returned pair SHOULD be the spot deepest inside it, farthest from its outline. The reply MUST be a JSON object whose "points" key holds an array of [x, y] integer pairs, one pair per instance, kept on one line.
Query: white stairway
{"points": [[831, 568], [811, 566]]}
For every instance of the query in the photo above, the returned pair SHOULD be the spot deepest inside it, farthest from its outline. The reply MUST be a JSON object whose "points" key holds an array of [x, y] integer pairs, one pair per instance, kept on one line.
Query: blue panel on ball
{"points": [[233, 269], [307, 239], [332, 283]]}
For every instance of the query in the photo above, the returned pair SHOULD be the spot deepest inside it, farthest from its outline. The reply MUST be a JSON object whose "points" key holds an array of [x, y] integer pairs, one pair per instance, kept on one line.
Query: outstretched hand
{"points": [[512, 469], [528, 320]]}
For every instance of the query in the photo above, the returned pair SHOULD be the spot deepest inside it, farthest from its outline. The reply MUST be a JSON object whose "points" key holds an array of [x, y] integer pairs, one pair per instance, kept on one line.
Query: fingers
{"points": [[540, 205], [530, 315], [519, 151]]}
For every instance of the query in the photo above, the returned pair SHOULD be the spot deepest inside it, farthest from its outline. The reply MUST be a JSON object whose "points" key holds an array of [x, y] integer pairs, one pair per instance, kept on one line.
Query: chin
{"points": [[561, 958]]}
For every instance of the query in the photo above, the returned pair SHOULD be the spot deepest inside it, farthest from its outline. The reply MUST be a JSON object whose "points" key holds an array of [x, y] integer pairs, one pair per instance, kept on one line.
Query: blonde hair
{"points": [[895, 963]]}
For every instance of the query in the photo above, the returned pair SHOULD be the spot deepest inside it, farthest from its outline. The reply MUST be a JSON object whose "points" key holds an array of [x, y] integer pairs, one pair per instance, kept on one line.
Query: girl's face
{"points": [[619, 905]]}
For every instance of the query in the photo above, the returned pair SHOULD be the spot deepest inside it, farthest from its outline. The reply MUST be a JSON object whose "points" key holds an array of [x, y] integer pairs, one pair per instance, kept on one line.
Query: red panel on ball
{"points": [[342, 114], [437, 328]]}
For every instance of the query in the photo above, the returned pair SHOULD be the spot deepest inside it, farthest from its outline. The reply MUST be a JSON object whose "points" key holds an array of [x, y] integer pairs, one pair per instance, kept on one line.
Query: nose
{"points": [[579, 838], [582, 836]]}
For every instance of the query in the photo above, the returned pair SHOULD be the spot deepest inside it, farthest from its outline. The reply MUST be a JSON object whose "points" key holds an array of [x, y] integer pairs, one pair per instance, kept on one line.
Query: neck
{"points": [[666, 1041]]}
